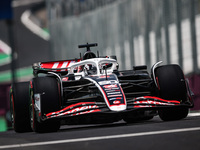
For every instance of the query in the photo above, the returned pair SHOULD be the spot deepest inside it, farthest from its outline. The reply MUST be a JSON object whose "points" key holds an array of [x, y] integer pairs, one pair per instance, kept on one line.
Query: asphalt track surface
{"points": [[153, 135]]}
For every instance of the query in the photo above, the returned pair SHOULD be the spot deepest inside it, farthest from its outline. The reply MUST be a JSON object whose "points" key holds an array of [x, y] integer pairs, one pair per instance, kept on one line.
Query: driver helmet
{"points": [[88, 55]]}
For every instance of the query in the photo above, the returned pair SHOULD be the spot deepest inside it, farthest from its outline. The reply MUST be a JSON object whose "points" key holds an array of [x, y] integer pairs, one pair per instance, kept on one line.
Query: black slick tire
{"points": [[49, 90], [171, 86], [19, 106]]}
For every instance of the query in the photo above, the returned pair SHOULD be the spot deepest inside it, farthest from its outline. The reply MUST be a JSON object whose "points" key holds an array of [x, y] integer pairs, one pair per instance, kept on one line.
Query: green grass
{"points": [[3, 125], [20, 73], [4, 58], [46, 30], [6, 76]]}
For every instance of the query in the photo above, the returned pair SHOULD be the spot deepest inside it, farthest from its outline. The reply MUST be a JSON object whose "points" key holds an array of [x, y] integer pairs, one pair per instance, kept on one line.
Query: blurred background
{"points": [[138, 32]]}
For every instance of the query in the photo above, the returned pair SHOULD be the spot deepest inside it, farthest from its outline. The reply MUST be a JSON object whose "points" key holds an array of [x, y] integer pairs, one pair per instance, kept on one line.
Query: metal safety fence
{"points": [[138, 32]]}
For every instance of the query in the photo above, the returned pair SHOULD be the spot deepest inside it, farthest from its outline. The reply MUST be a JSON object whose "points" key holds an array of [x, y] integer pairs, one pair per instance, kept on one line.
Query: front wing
{"points": [[143, 102]]}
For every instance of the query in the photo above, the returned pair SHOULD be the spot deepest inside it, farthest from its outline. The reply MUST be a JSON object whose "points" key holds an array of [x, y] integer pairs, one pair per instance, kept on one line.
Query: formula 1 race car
{"points": [[91, 90]]}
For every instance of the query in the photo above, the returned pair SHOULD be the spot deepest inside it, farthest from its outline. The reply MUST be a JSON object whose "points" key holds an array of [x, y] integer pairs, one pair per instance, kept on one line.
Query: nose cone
{"points": [[118, 107]]}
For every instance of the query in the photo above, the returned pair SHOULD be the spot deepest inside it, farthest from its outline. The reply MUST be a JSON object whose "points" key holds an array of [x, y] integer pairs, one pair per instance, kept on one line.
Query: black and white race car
{"points": [[91, 90]]}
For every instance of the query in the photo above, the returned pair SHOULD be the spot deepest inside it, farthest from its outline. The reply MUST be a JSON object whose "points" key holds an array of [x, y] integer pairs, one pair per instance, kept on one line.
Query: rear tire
{"points": [[172, 86], [173, 113], [19, 106], [49, 91]]}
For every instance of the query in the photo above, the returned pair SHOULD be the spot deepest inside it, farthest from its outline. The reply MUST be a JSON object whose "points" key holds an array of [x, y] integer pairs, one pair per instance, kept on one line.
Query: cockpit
{"points": [[94, 67]]}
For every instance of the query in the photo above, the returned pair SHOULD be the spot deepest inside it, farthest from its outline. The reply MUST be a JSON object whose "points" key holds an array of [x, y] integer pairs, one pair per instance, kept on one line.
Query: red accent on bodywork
{"points": [[170, 101], [68, 107], [65, 79], [105, 96], [118, 98], [123, 95], [110, 86], [157, 83], [104, 76], [116, 102], [50, 65], [60, 65], [143, 106], [87, 112], [150, 101], [31, 84], [47, 65]]}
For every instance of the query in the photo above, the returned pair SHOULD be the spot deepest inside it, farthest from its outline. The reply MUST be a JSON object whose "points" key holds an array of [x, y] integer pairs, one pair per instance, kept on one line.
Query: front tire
{"points": [[172, 86], [48, 89], [19, 107]]}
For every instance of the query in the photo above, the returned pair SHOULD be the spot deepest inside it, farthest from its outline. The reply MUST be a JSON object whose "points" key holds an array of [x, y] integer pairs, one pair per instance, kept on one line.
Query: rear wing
{"points": [[54, 66]]}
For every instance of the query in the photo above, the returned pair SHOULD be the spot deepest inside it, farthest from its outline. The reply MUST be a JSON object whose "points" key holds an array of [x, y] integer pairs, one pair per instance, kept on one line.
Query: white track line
{"points": [[194, 114], [99, 138]]}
